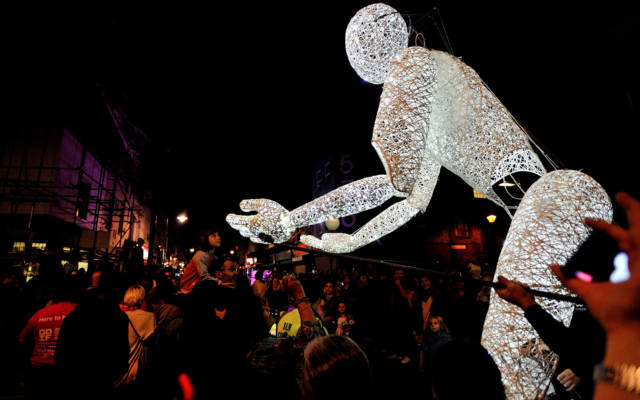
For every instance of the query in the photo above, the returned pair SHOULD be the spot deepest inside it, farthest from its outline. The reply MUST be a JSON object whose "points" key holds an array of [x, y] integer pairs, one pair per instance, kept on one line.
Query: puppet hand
{"points": [[269, 225], [331, 242]]}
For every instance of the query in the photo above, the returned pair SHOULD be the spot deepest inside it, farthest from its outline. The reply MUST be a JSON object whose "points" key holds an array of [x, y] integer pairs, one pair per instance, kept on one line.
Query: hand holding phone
{"points": [[597, 260]]}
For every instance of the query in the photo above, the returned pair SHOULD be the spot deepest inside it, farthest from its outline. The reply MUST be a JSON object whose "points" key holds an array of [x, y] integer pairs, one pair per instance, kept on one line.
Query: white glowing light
{"points": [[621, 272], [182, 218], [374, 35], [547, 229]]}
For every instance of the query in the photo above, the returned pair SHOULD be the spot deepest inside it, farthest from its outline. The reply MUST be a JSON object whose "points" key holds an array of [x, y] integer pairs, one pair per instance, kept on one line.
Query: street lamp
{"points": [[491, 218], [182, 218]]}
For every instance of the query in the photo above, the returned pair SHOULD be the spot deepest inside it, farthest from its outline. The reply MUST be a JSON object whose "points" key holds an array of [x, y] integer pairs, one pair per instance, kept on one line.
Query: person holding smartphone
{"points": [[616, 306], [580, 346]]}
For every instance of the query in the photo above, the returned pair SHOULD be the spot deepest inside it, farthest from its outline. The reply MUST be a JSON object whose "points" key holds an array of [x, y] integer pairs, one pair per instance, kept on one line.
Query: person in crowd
{"points": [[327, 303], [576, 365], [344, 321], [347, 289], [259, 289], [126, 256], [40, 287], [404, 318], [276, 361], [95, 279], [211, 351], [465, 370], [137, 255], [362, 306], [168, 315], [41, 332], [484, 294], [245, 313], [425, 297], [198, 268], [93, 338], [12, 320], [142, 325], [616, 307], [436, 335], [163, 365], [277, 297], [227, 273], [335, 368]]}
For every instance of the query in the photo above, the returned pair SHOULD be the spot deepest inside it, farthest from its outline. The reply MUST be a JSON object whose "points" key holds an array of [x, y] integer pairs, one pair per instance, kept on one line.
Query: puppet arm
{"points": [[388, 220], [273, 223]]}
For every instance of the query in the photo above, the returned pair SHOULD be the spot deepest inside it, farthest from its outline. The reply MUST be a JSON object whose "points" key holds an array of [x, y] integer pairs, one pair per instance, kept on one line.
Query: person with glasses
{"points": [[227, 273]]}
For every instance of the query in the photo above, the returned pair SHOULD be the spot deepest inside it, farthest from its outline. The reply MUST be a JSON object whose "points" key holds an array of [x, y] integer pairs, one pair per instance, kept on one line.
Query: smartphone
{"points": [[598, 260]]}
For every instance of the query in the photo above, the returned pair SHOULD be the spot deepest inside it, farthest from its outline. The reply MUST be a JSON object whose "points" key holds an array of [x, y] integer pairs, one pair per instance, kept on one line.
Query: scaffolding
{"points": [[98, 200]]}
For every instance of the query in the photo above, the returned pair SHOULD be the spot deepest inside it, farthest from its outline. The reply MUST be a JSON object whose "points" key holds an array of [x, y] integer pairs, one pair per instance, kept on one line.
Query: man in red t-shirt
{"points": [[42, 331]]}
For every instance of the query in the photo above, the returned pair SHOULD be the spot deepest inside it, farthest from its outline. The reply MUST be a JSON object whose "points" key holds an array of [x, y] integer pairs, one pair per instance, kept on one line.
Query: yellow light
{"points": [[232, 252], [478, 195], [182, 218], [506, 184], [332, 224], [491, 218]]}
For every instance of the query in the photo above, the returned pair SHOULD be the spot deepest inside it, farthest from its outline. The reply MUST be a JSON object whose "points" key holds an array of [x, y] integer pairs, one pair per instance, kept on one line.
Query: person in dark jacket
{"points": [[93, 346], [580, 346]]}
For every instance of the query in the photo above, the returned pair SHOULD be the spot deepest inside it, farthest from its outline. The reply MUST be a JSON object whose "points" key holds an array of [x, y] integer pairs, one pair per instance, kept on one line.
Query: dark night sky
{"points": [[240, 100]]}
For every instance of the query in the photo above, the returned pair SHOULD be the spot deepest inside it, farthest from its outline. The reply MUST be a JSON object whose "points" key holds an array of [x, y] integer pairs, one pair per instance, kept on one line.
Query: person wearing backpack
{"points": [[142, 327]]}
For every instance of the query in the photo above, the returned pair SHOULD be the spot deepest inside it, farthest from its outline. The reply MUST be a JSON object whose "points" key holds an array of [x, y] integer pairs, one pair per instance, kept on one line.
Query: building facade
{"points": [[56, 194]]}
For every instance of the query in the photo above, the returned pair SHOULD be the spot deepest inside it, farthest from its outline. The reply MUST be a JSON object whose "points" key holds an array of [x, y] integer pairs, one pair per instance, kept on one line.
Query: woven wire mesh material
{"points": [[433, 105], [271, 219], [547, 229], [471, 133], [349, 199], [400, 130], [374, 35]]}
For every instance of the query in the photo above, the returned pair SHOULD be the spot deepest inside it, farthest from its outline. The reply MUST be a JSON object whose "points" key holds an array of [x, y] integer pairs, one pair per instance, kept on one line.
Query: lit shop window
{"points": [[39, 246], [83, 265], [18, 246], [478, 195]]}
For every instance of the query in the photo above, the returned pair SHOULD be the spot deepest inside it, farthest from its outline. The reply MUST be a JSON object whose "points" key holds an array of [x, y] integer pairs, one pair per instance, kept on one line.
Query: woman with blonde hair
{"points": [[335, 368], [142, 325], [436, 335]]}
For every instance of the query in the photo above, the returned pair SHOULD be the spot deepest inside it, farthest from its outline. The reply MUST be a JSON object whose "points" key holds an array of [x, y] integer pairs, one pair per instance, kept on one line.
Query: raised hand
{"points": [[616, 306], [269, 225]]}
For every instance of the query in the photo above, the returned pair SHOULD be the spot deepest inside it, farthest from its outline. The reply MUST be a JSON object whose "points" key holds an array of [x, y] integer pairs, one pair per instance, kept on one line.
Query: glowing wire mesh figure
{"points": [[547, 229], [434, 111]]}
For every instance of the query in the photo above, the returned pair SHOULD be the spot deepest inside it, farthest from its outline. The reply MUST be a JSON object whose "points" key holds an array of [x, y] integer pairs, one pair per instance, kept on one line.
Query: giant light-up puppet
{"points": [[435, 112]]}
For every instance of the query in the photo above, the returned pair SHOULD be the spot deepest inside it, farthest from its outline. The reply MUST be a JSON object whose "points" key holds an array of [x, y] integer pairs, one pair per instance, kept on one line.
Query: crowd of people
{"points": [[359, 330]]}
